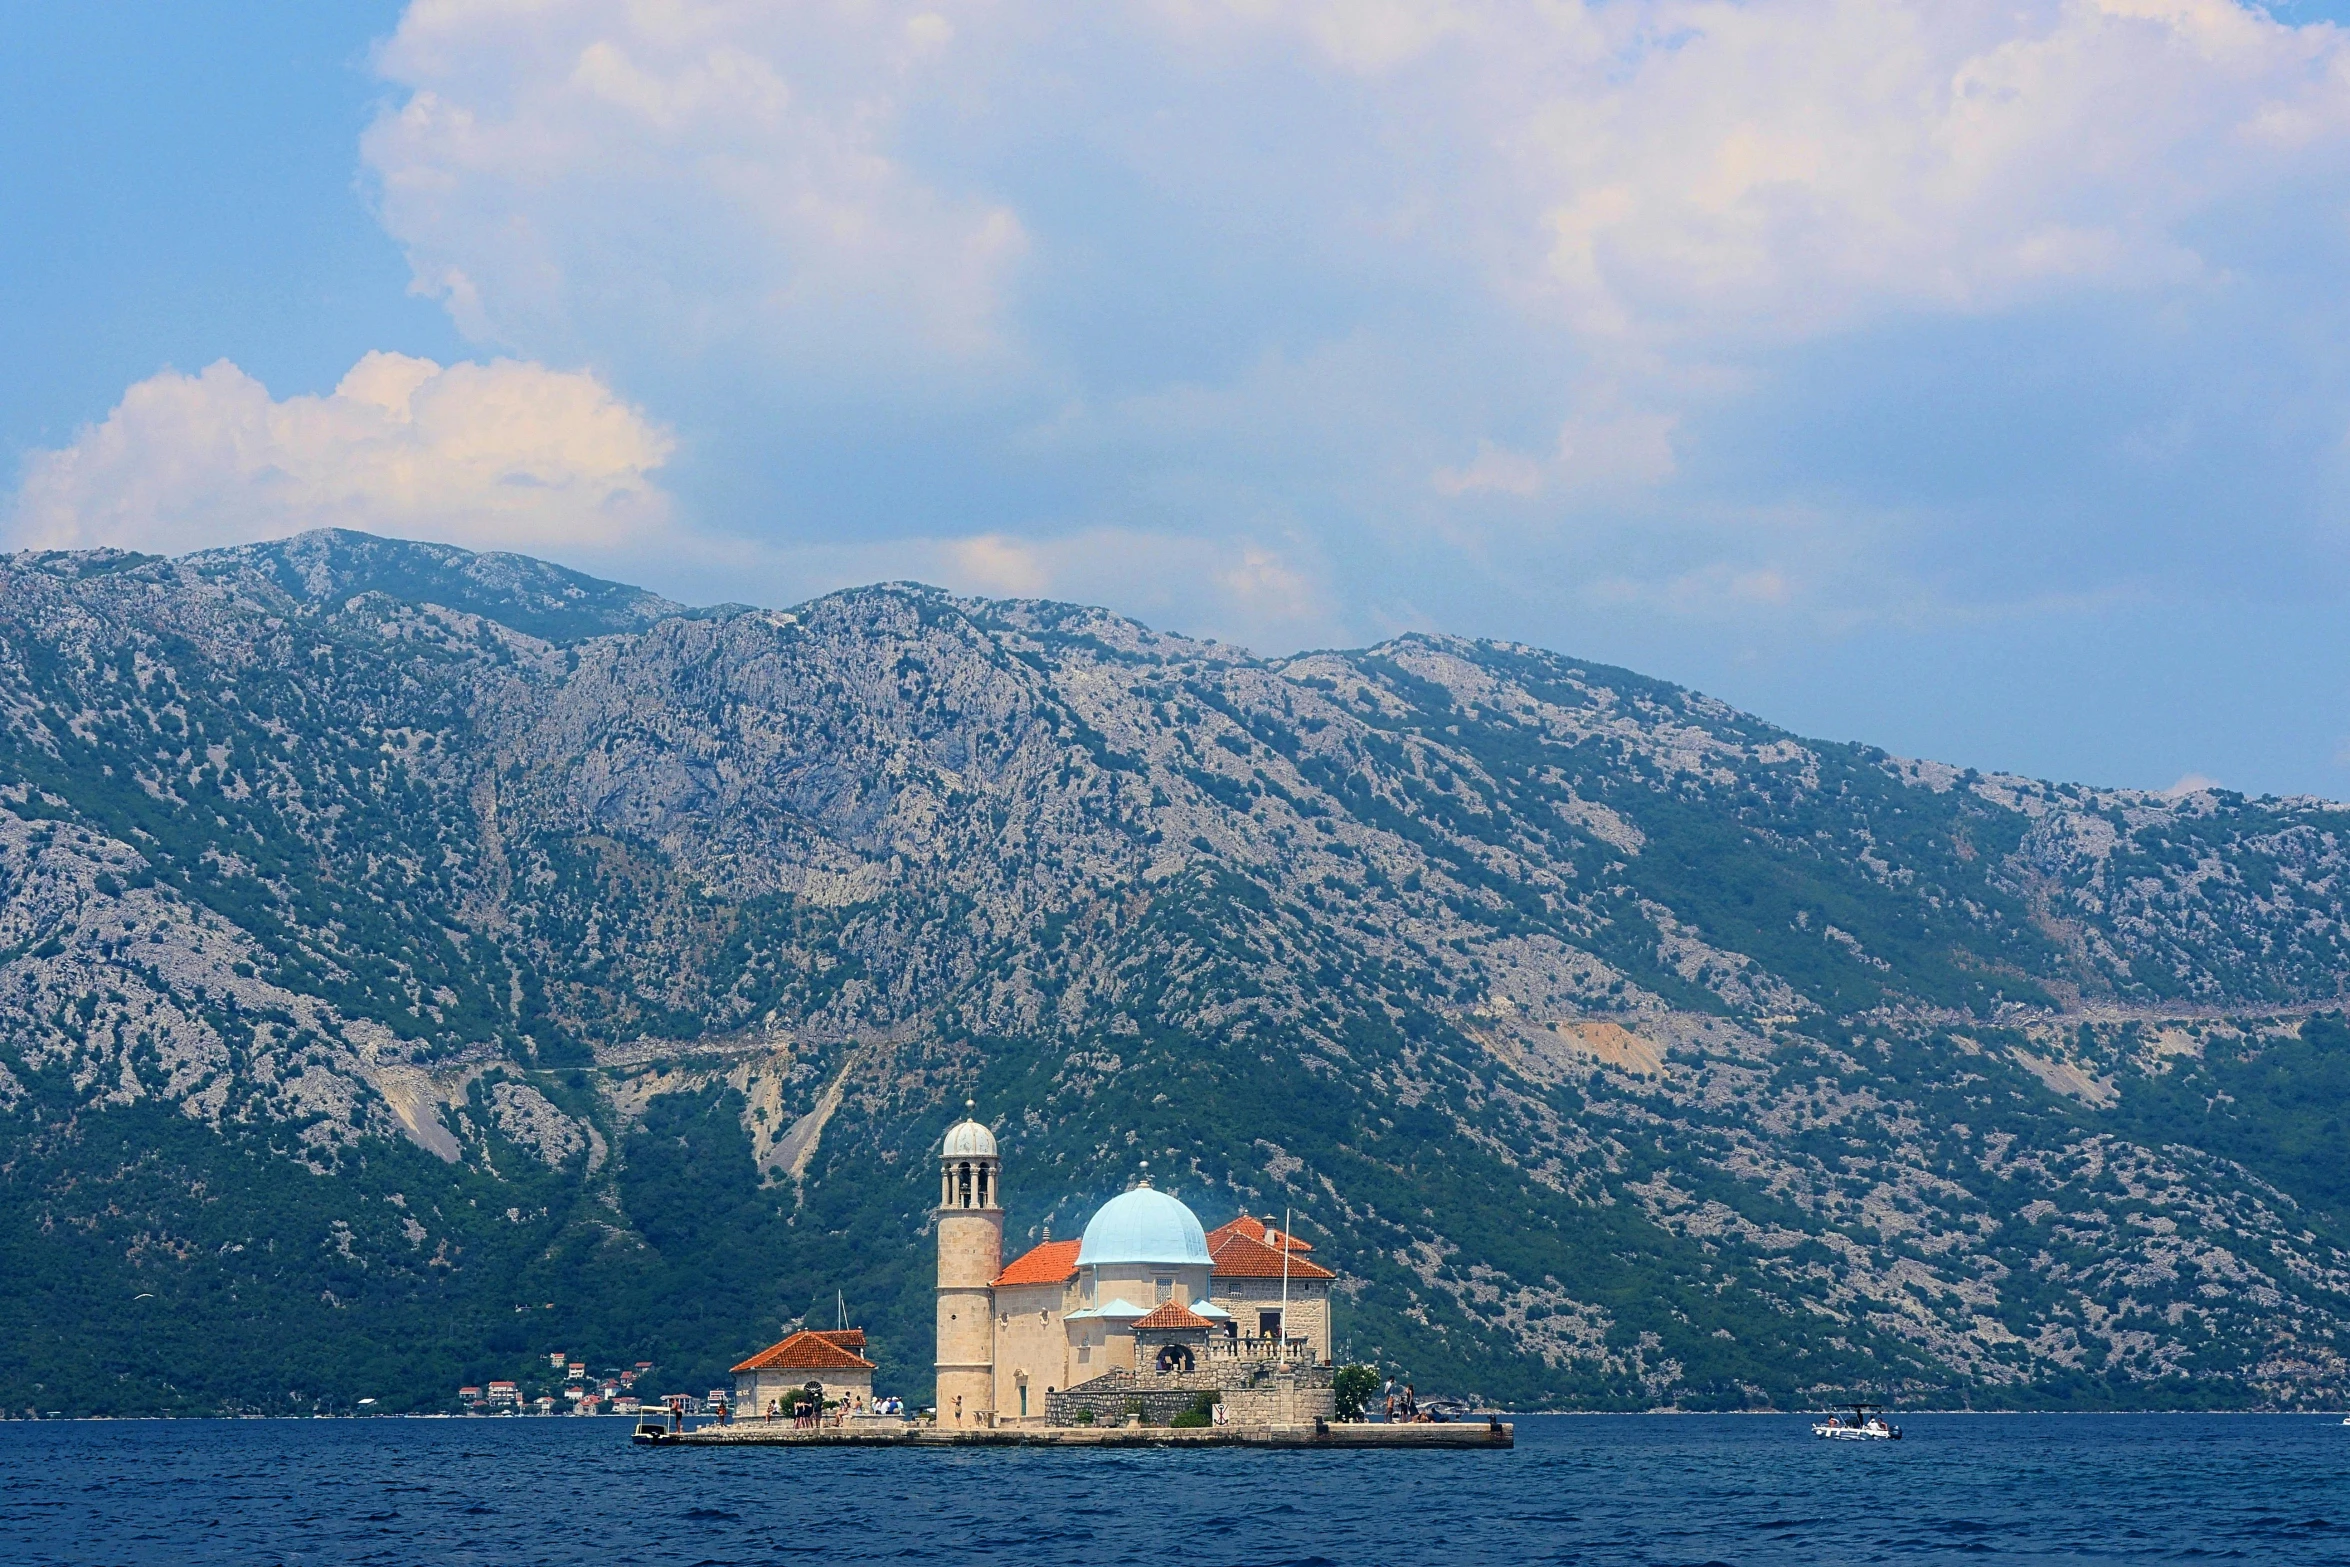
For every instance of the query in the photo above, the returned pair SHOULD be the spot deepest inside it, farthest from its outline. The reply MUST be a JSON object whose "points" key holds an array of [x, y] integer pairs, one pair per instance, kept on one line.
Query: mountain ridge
{"points": [[662, 939]]}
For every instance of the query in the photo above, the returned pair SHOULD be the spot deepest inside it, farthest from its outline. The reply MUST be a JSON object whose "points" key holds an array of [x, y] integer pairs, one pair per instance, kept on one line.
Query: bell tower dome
{"points": [[970, 1255]]}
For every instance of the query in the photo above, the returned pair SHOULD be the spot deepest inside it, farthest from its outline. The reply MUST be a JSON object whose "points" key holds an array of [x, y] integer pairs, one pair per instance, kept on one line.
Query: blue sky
{"points": [[1969, 380]]}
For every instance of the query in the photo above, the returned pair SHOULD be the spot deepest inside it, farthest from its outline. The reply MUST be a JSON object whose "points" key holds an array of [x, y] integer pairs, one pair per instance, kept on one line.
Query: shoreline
{"points": [[1477, 1436], [1475, 1420]]}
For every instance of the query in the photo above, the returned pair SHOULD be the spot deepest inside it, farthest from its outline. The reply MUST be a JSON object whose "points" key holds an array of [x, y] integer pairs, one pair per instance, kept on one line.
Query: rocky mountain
{"points": [[414, 961]]}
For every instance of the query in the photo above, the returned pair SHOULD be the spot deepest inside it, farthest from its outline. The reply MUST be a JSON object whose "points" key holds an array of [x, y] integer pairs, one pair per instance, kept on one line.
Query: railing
{"points": [[1257, 1347]]}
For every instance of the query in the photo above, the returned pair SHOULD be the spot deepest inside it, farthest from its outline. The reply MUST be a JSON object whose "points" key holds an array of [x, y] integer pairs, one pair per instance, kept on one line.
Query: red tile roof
{"points": [[846, 1338], [1055, 1262], [809, 1352], [1239, 1257], [1171, 1315], [1255, 1229]]}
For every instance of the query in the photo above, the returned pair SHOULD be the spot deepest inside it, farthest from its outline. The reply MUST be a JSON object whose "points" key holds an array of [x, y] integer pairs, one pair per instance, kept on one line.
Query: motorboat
{"points": [[1868, 1424]]}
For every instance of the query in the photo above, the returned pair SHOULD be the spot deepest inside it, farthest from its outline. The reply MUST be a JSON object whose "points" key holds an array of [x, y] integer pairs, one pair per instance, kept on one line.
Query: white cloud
{"points": [[1420, 290], [844, 182], [1795, 168], [992, 564], [1787, 167], [1371, 36], [500, 455], [1265, 593], [1494, 469], [686, 175], [1242, 589], [1603, 448]]}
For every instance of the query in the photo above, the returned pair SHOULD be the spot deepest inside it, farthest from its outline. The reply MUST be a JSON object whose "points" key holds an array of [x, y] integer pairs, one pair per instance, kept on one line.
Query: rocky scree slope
{"points": [[412, 961]]}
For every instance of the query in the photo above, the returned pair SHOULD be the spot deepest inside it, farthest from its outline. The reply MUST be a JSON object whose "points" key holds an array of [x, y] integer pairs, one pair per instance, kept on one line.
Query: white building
{"points": [[1147, 1292]]}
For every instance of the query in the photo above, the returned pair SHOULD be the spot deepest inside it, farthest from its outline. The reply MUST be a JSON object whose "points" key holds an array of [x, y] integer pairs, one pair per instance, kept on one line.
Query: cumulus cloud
{"points": [[1794, 166], [1263, 592], [687, 175], [1242, 589], [1603, 448], [1570, 255], [500, 455]]}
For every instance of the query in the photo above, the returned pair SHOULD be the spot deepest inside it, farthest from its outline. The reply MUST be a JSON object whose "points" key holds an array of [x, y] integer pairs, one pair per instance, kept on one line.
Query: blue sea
{"points": [[1596, 1489]]}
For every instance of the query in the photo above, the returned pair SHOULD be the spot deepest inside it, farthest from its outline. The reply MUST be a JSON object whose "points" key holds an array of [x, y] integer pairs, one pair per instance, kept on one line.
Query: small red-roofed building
{"points": [[830, 1359], [1257, 1282], [1172, 1340], [1251, 1228]]}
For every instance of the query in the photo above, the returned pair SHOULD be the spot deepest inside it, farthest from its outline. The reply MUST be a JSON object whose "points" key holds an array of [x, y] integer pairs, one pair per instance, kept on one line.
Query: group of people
{"points": [[806, 1414], [809, 1414], [1403, 1406]]}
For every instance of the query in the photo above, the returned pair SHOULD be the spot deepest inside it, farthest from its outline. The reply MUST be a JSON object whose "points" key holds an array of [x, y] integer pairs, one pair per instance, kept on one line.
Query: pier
{"points": [[1480, 1435]]}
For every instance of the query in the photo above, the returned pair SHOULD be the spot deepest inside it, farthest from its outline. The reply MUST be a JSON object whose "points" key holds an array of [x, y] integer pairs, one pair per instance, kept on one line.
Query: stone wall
{"points": [[1031, 1349], [755, 1390], [1309, 1307], [1252, 1393], [1289, 1401]]}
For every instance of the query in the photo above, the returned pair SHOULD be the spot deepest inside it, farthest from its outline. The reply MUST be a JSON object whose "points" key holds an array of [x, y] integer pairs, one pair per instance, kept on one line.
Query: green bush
{"points": [[1354, 1386], [1085, 1417], [1200, 1412]]}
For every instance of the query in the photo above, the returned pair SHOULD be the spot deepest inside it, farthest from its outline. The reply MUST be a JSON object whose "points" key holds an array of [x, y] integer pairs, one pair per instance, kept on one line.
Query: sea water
{"points": [[2074, 1489]]}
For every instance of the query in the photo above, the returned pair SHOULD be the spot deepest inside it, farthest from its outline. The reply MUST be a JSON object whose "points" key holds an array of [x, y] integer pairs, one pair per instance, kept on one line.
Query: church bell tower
{"points": [[970, 1255]]}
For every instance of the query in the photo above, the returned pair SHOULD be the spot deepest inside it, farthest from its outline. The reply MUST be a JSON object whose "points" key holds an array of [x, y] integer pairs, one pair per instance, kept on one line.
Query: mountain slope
{"points": [[412, 960]]}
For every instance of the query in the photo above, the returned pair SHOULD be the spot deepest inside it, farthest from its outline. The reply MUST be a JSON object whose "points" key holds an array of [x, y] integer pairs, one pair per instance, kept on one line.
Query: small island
{"points": [[1150, 1329]]}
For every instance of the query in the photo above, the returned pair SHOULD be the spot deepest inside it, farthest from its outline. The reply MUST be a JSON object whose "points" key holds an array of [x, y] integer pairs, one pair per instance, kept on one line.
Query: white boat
{"points": [[1868, 1424]]}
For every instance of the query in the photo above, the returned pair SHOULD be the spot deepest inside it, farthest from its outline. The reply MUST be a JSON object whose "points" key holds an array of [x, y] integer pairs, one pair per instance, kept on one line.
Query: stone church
{"points": [[1135, 1320]]}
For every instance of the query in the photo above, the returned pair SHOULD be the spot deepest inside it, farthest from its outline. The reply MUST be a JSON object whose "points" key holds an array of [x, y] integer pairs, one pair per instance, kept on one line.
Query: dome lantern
{"points": [[968, 1164]]}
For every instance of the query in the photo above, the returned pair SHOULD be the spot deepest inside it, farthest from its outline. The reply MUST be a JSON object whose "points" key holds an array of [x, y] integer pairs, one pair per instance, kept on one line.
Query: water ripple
{"points": [[1686, 1491]]}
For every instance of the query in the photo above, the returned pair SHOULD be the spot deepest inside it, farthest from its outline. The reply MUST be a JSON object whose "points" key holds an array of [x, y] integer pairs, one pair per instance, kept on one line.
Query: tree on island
{"points": [[1354, 1386]]}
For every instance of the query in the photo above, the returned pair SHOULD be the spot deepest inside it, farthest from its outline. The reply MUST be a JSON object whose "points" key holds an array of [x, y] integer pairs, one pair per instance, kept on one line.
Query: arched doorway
{"points": [[1175, 1358]]}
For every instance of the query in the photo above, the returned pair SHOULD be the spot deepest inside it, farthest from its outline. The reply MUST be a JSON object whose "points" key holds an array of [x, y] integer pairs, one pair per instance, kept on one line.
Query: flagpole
{"points": [[1285, 1283]]}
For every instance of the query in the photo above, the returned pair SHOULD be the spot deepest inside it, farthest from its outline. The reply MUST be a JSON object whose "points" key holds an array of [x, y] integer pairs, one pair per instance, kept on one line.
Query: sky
{"points": [[1971, 380]]}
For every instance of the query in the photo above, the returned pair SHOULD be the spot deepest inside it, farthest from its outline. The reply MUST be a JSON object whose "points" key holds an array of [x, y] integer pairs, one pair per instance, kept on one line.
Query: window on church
{"points": [[1166, 1290], [1269, 1323]]}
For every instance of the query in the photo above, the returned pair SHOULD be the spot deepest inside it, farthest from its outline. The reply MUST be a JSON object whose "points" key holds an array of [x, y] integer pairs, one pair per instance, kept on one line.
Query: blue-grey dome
{"points": [[1147, 1226]]}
